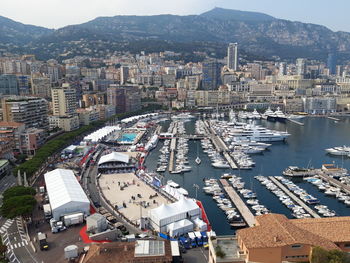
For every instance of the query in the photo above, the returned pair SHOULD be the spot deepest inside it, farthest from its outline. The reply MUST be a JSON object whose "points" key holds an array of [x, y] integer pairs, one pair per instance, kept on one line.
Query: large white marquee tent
{"points": [[66, 196], [166, 214]]}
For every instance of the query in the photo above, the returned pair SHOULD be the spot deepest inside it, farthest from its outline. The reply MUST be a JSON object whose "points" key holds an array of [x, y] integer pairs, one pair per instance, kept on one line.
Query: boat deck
{"points": [[294, 197], [236, 199]]}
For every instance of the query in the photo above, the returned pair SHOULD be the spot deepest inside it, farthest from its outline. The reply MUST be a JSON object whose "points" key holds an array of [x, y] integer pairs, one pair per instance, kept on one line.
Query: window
{"points": [[347, 245], [296, 246]]}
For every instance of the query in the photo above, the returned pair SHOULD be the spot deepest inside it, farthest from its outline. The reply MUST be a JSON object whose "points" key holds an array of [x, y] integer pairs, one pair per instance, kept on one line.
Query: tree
{"points": [[18, 206], [18, 191], [321, 255]]}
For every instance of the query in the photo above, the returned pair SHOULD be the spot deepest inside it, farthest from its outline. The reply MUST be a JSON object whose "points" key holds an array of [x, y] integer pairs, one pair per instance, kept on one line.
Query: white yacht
{"points": [[268, 113], [280, 116], [339, 151], [198, 160], [256, 115], [221, 164]]}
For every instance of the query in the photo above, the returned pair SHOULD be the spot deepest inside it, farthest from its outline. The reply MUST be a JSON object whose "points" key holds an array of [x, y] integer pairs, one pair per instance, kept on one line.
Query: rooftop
{"points": [[275, 230], [335, 229], [3, 162], [228, 245]]}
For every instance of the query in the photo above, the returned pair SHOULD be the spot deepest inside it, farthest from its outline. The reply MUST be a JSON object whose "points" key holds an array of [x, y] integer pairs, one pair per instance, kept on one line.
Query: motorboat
{"points": [[198, 160], [221, 164]]}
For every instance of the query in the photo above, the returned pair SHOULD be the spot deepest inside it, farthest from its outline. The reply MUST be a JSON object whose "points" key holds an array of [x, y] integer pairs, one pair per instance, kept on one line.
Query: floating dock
{"points": [[294, 197], [241, 206], [335, 182]]}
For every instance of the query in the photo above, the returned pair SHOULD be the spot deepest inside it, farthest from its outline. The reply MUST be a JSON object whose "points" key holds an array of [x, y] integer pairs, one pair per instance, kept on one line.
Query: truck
{"points": [[42, 241], [47, 211], [73, 219], [56, 226]]}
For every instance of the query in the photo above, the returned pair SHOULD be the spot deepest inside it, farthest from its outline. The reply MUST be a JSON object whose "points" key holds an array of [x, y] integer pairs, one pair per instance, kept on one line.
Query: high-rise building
{"points": [[31, 111], [64, 101], [124, 74], [8, 85], [232, 56], [282, 69], [211, 75], [41, 85], [124, 98], [332, 63], [301, 66]]}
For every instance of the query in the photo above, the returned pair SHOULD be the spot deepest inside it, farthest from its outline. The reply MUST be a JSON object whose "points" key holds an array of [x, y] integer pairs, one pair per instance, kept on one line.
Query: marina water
{"points": [[305, 147]]}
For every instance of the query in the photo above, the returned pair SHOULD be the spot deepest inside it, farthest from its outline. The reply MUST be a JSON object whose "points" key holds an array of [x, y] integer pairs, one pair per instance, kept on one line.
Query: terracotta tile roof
{"points": [[336, 229], [274, 230], [10, 124]]}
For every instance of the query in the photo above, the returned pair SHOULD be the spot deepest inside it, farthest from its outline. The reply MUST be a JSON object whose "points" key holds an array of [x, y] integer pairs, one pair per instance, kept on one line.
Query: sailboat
{"points": [[198, 160]]}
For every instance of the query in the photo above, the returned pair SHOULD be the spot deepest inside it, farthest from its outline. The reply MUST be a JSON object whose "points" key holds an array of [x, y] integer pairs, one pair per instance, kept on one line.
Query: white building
{"points": [[66, 196], [163, 217]]}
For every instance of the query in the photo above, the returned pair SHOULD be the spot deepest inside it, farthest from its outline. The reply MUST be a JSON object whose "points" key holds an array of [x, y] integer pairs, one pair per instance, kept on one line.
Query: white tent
{"points": [[114, 157], [200, 224], [164, 215], [180, 227], [65, 193]]}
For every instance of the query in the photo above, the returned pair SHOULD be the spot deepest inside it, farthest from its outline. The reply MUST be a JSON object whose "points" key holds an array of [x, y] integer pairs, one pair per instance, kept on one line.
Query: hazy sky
{"points": [[58, 13]]}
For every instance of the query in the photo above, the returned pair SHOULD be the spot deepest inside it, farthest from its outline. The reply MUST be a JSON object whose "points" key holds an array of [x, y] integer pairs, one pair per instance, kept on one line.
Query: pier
{"points": [[296, 122], [336, 183], [172, 154], [241, 206], [294, 197], [230, 161]]}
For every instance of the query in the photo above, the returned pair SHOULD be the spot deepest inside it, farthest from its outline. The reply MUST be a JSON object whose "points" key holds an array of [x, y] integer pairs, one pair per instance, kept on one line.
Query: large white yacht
{"points": [[268, 113], [340, 151], [280, 116]]}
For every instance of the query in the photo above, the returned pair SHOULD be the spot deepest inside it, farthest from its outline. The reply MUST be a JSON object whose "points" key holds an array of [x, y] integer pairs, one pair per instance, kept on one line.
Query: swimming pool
{"points": [[127, 137]]}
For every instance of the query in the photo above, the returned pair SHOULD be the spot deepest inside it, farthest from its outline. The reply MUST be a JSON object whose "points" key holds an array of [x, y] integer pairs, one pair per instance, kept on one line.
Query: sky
{"points": [[59, 13]]}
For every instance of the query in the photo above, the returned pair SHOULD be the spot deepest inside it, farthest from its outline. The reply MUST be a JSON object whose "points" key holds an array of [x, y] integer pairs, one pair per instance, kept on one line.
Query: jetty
{"points": [[294, 197], [172, 154], [230, 160], [335, 182], [241, 206]]}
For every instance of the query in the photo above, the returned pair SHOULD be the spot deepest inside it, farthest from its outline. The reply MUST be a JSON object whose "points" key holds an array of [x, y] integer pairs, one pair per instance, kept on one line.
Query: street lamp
{"points": [[196, 186]]}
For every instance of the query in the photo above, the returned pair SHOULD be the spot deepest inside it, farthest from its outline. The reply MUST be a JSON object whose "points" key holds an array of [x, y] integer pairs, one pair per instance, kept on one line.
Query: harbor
{"points": [[271, 162]]}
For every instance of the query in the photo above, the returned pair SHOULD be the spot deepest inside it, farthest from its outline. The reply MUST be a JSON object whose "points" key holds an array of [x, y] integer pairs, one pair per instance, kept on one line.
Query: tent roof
{"points": [[179, 224], [168, 210], [63, 187], [114, 157]]}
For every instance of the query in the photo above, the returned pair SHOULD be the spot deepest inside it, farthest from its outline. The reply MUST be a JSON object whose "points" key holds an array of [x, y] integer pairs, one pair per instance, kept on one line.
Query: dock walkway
{"points": [[294, 197], [241, 206], [335, 182], [172, 154]]}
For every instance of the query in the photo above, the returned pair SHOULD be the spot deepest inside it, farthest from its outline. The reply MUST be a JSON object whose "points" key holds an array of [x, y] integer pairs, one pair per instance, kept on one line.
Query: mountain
{"points": [[15, 32], [256, 33], [229, 14]]}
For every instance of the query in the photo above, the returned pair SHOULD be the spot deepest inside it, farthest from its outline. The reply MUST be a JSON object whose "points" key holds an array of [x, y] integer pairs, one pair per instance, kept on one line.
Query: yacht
{"points": [[198, 160], [339, 151], [221, 164], [267, 113], [280, 116], [256, 115]]}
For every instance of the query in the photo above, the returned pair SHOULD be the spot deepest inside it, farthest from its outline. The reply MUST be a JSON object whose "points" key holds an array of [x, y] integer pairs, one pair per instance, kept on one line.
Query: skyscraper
{"points": [[232, 56], [211, 75], [282, 69], [332, 63], [301, 68]]}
